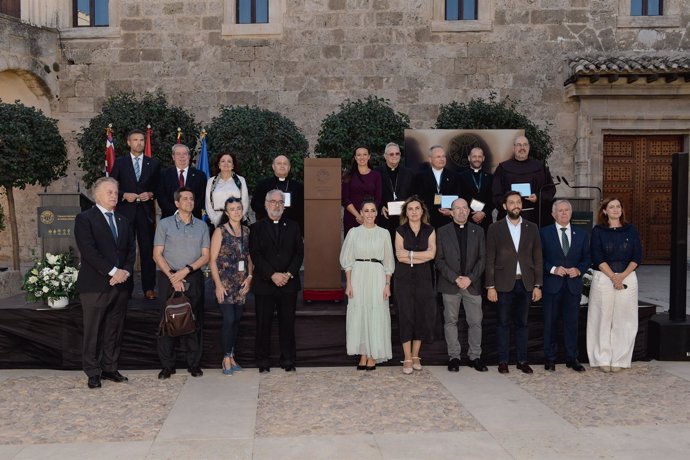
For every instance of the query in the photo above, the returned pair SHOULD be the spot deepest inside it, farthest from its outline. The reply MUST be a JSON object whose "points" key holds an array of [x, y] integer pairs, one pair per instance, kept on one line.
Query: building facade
{"points": [[611, 76]]}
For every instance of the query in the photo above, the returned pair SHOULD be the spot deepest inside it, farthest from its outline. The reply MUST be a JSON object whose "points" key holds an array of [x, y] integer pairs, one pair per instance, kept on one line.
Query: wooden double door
{"points": [[638, 170]]}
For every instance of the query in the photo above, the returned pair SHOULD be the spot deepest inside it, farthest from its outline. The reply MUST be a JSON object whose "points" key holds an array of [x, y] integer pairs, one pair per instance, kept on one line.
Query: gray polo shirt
{"points": [[182, 243]]}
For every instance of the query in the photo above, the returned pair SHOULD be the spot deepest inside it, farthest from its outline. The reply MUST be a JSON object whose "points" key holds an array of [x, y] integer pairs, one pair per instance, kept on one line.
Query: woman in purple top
{"points": [[360, 182], [612, 314]]}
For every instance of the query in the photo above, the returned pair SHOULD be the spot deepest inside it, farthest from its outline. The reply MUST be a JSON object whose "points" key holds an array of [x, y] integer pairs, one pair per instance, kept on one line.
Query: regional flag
{"points": [[147, 149], [109, 150], [202, 164]]}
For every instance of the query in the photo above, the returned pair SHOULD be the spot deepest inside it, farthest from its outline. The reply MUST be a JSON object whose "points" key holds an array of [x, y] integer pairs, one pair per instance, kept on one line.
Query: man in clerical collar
{"points": [[397, 187], [434, 183], [528, 176], [277, 251], [292, 189], [460, 259], [475, 188]]}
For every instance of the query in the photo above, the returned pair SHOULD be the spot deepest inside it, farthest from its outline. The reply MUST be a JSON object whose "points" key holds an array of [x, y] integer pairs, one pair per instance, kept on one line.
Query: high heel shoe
{"points": [[407, 370], [371, 368], [418, 366], [226, 370]]}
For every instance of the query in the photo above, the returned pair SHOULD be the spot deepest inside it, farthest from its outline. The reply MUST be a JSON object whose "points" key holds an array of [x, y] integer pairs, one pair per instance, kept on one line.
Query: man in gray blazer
{"points": [[514, 273], [460, 258]]}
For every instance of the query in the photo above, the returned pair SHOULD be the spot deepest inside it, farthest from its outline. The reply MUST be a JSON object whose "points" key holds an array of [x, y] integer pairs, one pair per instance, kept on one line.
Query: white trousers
{"points": [[611, 321]]}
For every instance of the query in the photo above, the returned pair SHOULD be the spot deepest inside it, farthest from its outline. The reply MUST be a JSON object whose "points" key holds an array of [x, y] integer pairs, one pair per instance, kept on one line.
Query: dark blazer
{"points": [[270, 255], [468, 191], [123, 173], [170, 181], [502, 259], [404, 188], [100, 252], [425, 187], [294, 212], [448, 258], [578, 256]]}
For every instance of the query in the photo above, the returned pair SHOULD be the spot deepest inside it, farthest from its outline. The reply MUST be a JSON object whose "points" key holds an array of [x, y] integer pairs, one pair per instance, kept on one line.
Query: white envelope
{"points": [[395, 208], [476, 205]]}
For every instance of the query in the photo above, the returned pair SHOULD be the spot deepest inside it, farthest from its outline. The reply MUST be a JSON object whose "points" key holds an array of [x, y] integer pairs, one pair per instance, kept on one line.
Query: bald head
{"points": [[281, 166]]}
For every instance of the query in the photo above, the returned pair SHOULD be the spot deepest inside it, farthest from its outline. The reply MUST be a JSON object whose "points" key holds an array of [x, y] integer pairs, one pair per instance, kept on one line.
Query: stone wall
{"points": [[331, 50]]}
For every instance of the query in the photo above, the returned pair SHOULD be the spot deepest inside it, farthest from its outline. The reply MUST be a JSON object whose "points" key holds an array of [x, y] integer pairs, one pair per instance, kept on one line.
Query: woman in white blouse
{"points": [[225, 184]]}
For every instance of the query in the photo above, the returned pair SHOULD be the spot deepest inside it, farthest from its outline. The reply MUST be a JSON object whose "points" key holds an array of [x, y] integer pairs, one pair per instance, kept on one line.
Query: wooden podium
{"points": [[322, 229]]}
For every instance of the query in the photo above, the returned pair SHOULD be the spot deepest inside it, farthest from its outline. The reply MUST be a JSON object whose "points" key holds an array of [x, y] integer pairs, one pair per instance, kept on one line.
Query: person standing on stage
{"points": [[521, 173], [293, 191], [181, 249], [359, 182], [181, 174], [476, 188], [106, 245], [396, 181], [433, 183], [277, 251], [513, 277], [460, 261], [226, 183], [138, 176], [565, 248]]}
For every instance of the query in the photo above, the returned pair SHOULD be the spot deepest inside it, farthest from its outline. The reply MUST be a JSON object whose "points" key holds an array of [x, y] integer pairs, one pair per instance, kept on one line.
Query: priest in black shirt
{"points": [[475, 188], [292, 189], [397, 186]]}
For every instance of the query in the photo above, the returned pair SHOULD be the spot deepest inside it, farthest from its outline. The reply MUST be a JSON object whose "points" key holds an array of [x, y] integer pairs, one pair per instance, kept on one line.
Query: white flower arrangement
{"points": [[51, 278]]}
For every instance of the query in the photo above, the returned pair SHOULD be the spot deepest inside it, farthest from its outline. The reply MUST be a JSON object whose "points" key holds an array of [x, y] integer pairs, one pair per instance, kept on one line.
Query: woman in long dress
{"points": [[367, 258], [612, 312], [231, 270], [225, 184], [415, 248]]}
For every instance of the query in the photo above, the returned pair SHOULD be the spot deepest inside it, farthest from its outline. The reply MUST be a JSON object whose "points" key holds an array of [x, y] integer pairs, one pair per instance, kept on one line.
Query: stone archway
{"points": [[25, 87]]}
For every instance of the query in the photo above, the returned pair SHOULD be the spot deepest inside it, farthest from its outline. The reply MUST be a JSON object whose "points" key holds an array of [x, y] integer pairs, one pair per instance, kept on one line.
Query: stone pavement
{"points": [[340, 413]]}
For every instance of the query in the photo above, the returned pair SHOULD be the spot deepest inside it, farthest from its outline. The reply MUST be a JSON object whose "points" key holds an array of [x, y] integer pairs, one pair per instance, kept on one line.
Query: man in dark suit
{"points": [[277, 251], [476, 189], [566, 258], [106, 246], [513, 277], [397, 186], [431, 184], [292, 189], [181, 175], [460, 259], [138, 177]]}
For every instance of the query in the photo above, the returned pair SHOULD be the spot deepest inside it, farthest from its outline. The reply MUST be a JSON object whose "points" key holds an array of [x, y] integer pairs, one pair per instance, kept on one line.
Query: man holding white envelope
{"points": [[397, 187], [437, 186], [476, 189], [530, 177]]}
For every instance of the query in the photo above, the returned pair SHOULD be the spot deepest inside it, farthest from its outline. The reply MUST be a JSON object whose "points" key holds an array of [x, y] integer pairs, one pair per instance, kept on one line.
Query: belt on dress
{"points": [[370, 260]]}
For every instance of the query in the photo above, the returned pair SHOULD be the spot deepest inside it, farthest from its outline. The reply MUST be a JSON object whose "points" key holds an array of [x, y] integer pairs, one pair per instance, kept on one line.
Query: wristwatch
{"points": [[191, 269]]}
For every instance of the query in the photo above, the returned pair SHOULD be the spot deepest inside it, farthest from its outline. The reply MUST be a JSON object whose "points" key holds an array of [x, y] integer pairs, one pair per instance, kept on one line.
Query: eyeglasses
{"points": [[394, 154], [275, 202]]}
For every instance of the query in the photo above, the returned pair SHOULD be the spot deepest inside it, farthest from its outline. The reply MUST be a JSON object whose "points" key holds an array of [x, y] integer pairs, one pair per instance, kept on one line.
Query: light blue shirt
{"points": [[515, 231]]}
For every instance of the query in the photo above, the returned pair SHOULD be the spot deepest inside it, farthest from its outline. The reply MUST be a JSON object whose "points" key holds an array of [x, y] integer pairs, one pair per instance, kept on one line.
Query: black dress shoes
{"points": [[264, 369], [454, 365], [165, 373], [94, 381], [113, 376], [503, 368], [290, 368], [575, 365], [479, 365], [549, 366], [195, 371], [524, 367]]}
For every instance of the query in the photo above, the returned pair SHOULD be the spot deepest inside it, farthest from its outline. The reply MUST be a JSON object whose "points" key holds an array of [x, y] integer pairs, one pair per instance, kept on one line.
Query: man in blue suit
{"points": [[565, 249]]}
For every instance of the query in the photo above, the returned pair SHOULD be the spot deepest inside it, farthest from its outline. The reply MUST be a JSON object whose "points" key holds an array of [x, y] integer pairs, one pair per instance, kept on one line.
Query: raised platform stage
{"points": [[46, 338]]}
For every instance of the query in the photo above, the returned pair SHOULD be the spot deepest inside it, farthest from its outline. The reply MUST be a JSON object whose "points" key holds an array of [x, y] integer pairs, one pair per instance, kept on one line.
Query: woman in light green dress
{"points": [[367, 258]]}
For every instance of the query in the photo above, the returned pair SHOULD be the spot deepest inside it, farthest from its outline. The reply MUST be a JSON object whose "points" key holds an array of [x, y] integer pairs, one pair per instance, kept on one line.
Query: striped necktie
{"points": [[137, 168]]}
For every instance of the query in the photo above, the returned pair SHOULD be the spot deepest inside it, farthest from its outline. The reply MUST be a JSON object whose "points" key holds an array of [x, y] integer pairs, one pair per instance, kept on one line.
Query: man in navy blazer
{"points": [[434, 182], [565, 250], [106, 246], [138, 177], [181, 174]]}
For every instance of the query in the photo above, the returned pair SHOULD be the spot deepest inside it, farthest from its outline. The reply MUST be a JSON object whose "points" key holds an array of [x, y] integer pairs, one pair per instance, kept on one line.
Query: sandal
{"points": [[418, 366]]}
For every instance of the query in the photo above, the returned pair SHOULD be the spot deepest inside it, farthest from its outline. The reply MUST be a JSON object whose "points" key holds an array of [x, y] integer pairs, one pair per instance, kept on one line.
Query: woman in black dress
{"points": [[415, 248]]}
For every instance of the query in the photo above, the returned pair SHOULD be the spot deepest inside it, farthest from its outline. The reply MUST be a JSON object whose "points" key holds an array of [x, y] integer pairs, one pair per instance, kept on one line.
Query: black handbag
{"points": [[178, 317]]}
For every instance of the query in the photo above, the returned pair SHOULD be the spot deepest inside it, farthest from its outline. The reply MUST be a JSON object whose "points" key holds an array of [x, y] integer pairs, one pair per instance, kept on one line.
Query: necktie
{"points": [[564, 241], [111, 222], [181, 178], [137, 168]]}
